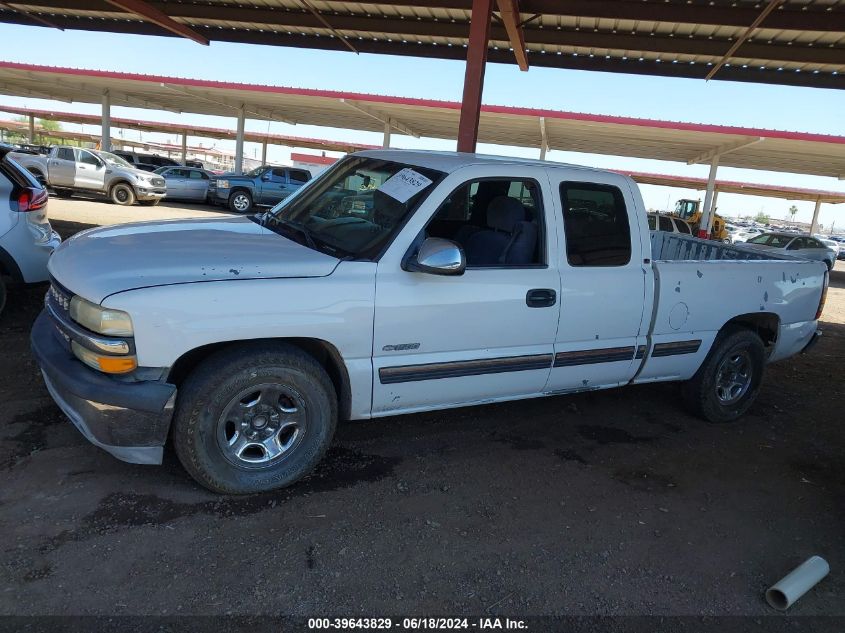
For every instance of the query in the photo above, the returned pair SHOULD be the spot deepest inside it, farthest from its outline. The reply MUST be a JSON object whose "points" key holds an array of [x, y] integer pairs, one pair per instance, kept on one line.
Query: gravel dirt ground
{"points": [[605, 503]]}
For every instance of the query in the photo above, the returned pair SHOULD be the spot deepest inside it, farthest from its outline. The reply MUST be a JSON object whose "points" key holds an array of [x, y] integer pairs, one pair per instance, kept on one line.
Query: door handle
{"points": [[540, 298]]}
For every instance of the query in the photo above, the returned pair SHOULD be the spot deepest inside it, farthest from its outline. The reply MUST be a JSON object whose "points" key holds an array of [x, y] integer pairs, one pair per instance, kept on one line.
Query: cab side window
{"points": [[595, 223], [87, 158], [497, 221], [666, 224], [65, 153]]}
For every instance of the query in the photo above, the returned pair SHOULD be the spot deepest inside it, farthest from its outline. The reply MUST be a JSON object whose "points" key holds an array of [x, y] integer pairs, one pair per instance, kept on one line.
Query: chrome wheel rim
{"points": [[241, 202], [733, 378], [261, 426]]}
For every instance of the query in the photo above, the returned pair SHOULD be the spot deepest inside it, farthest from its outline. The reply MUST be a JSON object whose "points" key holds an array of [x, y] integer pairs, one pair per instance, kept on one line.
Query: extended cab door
{"points": [[90, 171], [487, 334], [603, 323], [61, 167]]}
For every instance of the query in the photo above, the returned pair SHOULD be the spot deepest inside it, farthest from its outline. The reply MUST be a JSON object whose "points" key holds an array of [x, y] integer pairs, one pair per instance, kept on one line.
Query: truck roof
{"points": [[451, 161]]}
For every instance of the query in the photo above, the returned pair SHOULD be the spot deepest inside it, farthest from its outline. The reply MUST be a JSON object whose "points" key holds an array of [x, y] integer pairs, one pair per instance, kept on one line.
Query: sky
{"points": [[715, 102]]}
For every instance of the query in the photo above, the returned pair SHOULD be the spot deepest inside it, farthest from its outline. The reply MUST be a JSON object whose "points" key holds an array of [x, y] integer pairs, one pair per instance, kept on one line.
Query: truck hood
{"points": [[100, 262]]}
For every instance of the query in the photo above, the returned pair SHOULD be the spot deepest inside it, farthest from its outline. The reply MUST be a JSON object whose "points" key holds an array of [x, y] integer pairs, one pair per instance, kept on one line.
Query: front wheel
{"points": [[728, 381], [240, 202], [254, 418], [122, 194]]}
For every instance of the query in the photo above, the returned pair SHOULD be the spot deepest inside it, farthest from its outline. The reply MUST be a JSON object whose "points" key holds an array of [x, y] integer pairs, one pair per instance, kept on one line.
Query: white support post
{"points": [[184, 147], [264, 152], [386, 141], [31, 129], [239, 142], [105, 124], [814, 227], [544, 139], [706, 213]]}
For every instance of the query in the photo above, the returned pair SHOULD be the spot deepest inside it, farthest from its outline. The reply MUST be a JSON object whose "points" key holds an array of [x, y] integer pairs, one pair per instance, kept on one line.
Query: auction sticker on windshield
{"points": [[404, 184]]}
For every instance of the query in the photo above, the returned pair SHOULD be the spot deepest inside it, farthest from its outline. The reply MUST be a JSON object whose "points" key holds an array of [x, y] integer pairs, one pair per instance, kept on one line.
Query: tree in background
{"points": [[762, 218], [44, 130], [792, 211]]}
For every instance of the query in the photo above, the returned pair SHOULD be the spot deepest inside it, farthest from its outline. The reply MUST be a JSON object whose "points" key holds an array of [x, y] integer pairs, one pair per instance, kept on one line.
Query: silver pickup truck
{"points": [[68, 170]]}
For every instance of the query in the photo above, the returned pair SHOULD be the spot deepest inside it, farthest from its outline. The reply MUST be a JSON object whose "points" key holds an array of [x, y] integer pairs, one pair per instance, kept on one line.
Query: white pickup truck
{"points": [[398, 282]]}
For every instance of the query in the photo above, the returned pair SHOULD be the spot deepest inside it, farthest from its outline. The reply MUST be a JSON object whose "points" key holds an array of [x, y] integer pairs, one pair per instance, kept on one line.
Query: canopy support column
{"points": [[706, 213], [544, 139], [31, 129], [239, 142], [264, 152], [105, 123], [184, 147], [385, 143], [479, 36], [814, 227]]}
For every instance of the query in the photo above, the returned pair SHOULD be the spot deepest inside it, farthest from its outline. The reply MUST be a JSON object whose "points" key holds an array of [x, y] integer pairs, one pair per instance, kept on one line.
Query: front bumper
{"points": [[155, 193], [130, 420]]}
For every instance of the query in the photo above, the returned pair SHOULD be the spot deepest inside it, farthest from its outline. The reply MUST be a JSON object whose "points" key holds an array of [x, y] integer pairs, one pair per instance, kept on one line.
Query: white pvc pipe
{"points": [[797, 582]]}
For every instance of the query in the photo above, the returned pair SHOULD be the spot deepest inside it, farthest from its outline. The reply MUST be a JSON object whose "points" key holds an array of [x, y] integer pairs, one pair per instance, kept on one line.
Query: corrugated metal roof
{"points": [[774, 150], [801, 42]]}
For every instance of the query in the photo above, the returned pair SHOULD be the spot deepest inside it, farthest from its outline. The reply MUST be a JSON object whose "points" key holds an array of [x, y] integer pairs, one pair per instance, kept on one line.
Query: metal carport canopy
{"points": [[797, 42], [744, 188], [774, 150], [190, 130]]}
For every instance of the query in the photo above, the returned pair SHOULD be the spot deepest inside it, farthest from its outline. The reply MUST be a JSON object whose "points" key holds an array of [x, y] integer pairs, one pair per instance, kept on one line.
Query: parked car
{"points": [[263, 186], [68, 170], [185, 183], [802, 246], [26, 238], [471, 280], [145, 162], [194, 163], [670, 224], [743, 235], [831, 244]]}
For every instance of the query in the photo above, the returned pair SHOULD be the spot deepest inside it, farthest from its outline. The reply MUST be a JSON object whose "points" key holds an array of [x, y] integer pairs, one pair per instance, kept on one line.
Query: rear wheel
{"points": [[122, 194], [728, 381], [254, 418], [240, 202]]}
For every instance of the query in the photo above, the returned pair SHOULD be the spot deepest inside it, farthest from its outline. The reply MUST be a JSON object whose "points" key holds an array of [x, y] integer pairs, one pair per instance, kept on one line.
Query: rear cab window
{"points": [[595, 222]]}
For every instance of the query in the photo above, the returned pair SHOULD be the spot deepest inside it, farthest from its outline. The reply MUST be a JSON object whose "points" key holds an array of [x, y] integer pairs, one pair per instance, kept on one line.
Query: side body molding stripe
{"points": [[456, 369], [676, 348]]}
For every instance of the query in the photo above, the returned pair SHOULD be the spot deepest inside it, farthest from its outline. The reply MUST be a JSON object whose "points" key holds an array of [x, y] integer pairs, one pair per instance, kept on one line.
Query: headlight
{"points": [[222, 184], [99, 319]]}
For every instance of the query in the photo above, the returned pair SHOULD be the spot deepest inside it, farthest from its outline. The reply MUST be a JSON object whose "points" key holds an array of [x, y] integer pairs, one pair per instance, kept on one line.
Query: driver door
{"points": [[443, 341], [273, 186], [90, 171]]}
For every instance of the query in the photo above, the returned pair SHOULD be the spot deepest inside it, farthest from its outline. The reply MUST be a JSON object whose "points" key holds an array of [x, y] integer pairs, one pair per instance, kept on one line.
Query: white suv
{"points": [[26, 238]]}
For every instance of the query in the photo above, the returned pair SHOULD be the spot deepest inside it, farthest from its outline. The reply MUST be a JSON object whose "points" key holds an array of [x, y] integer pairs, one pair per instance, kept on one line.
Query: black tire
{"points": [[204, 436], [64, 193], [122, 194], [706, 396], [829, 265], [149, 203], [2, 295], [240, 201]]}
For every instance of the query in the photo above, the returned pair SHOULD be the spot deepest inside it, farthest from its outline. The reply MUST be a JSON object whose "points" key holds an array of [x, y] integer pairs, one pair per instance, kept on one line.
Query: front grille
{"points": [[59, 296], [158, 182]]}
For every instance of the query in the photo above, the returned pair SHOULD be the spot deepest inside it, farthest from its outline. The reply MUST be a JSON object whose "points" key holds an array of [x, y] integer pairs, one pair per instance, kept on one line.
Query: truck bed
{"points": [[676, 247], [699, 285]]}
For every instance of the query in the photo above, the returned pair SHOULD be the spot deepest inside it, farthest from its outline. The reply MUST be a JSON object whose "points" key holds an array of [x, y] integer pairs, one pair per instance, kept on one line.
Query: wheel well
{"points": [[764, 324], [115, 183], [238, 189], [322, 351]]}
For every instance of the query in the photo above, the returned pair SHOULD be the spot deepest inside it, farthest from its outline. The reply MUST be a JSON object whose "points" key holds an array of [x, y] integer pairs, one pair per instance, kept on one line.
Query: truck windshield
{"points": [[354, 208], [113, 159]]}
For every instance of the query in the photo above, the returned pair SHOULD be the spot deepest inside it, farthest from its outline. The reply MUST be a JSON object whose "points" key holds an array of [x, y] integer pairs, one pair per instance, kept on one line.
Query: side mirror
{"points": [[437, 256], [265, 176]]}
